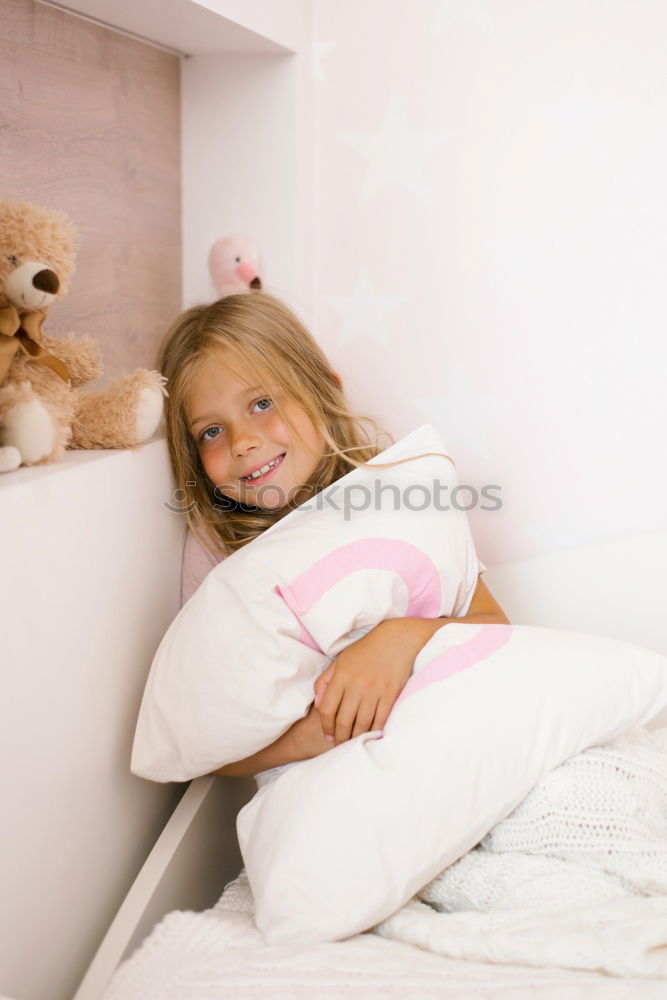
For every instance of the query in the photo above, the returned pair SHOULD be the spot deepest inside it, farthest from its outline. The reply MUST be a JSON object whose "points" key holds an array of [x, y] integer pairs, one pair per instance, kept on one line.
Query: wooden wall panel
{"points": [[90, 123]]}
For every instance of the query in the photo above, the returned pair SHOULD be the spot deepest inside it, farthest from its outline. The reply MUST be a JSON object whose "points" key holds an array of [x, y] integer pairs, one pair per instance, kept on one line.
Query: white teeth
{"points": [[265, 468]]}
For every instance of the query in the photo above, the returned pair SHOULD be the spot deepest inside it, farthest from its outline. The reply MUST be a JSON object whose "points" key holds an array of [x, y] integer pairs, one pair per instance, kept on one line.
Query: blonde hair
{"points": [[263, 334]]}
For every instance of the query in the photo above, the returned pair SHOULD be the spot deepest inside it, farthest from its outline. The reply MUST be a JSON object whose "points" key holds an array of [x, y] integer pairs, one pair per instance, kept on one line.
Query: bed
{"points": [[178, 935]]}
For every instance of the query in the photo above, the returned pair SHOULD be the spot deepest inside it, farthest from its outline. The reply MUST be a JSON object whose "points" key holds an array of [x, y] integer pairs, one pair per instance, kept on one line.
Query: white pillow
{"points": [[337, 843], [238, 664]]}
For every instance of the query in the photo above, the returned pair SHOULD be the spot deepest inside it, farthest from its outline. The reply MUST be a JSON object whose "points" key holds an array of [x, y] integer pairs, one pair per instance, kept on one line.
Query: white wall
{"points": [[490, 233], [246, 149]]}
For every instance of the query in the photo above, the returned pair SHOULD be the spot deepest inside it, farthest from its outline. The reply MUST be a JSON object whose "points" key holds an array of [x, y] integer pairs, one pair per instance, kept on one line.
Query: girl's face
{"points": [[238, 430]]}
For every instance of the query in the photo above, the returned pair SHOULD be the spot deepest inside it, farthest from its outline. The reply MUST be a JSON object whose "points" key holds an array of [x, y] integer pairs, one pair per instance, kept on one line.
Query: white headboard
{"points": [[613, 588]]}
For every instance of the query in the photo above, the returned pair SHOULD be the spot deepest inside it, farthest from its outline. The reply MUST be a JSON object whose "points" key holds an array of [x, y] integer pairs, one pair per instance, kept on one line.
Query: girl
{"points": [[256, 424]]}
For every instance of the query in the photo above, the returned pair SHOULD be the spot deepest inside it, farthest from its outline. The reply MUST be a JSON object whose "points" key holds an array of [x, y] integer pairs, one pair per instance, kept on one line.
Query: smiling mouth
{"points": [[261, 479]]}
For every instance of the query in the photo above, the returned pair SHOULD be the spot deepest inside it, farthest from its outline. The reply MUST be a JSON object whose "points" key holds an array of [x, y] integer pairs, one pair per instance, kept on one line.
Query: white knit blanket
{"points": [[575, 877], [560, 900]]}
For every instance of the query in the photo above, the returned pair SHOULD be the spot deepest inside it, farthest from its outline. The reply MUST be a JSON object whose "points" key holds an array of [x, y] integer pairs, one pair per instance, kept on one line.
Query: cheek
{"points": [[278, 431], [315, 442], [205, 461], [308, 433], [211, 461]]}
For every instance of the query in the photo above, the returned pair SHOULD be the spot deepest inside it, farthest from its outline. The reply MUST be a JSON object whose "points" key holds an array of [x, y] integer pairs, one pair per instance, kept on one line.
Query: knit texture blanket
{"points": [[575, 876], [565, 898]]}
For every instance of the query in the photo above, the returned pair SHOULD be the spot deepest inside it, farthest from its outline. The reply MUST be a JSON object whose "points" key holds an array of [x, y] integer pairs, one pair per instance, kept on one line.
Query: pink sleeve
{"points": [[197, 563]]}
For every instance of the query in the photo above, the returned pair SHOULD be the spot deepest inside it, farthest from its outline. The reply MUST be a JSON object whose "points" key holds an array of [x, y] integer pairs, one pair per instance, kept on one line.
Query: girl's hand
{"points": [[356, 692], [308, 736]]}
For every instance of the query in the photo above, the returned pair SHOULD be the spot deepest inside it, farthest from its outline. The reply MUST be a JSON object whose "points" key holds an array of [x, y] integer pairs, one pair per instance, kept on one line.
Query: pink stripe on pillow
{"points": [[304, 635], [414, 567], [489, 639]]}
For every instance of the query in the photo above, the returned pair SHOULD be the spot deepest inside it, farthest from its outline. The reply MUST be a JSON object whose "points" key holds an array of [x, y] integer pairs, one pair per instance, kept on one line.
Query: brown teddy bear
{"points": [[43, 409]]}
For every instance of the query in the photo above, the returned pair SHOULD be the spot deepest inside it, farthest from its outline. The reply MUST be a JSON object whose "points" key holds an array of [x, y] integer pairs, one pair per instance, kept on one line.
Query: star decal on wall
{"points": [[395, 153], [363, 312]]}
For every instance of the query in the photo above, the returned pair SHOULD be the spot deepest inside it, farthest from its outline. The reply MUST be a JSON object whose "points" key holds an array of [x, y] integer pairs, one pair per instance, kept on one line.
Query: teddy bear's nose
{"points": [[46, 281]]}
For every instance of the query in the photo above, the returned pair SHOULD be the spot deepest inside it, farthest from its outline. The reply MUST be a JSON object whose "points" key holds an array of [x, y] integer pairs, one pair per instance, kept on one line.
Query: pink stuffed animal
{"points": [[232, 264]]}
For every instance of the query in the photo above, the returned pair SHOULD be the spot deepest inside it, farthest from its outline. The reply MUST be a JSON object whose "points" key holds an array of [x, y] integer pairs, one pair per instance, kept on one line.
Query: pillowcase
{"points": [[338, 843], [238, 665]]}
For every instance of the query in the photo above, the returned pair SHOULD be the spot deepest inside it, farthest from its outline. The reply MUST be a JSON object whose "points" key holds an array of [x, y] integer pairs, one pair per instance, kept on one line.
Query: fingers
{"points": [[338, 711], [352, 717], [345, 716], [382, 713], [346, 713], [322, 683], [365, 715], [320, 691], [328, 708], [327, 674]]}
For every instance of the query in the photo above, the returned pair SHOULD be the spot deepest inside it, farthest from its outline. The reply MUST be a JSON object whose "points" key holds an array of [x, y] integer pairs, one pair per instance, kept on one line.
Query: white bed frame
{"points": [[612, 588], [193, 858]]}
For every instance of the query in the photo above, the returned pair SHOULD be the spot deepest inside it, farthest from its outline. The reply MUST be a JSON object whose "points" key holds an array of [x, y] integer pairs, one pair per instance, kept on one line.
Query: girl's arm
{"points": [[393, 645], [277, 753], [282, 751], [356, 692], [304, 739], [484, 609]]}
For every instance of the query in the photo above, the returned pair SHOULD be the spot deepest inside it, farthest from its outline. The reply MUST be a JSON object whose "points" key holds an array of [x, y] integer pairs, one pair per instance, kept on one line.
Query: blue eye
{"points": [[203, 436], [216, 427]]}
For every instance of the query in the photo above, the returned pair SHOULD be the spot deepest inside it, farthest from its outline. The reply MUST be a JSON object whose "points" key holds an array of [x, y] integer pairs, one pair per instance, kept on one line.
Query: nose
{"points": [[243, 441], [46, 281]]}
